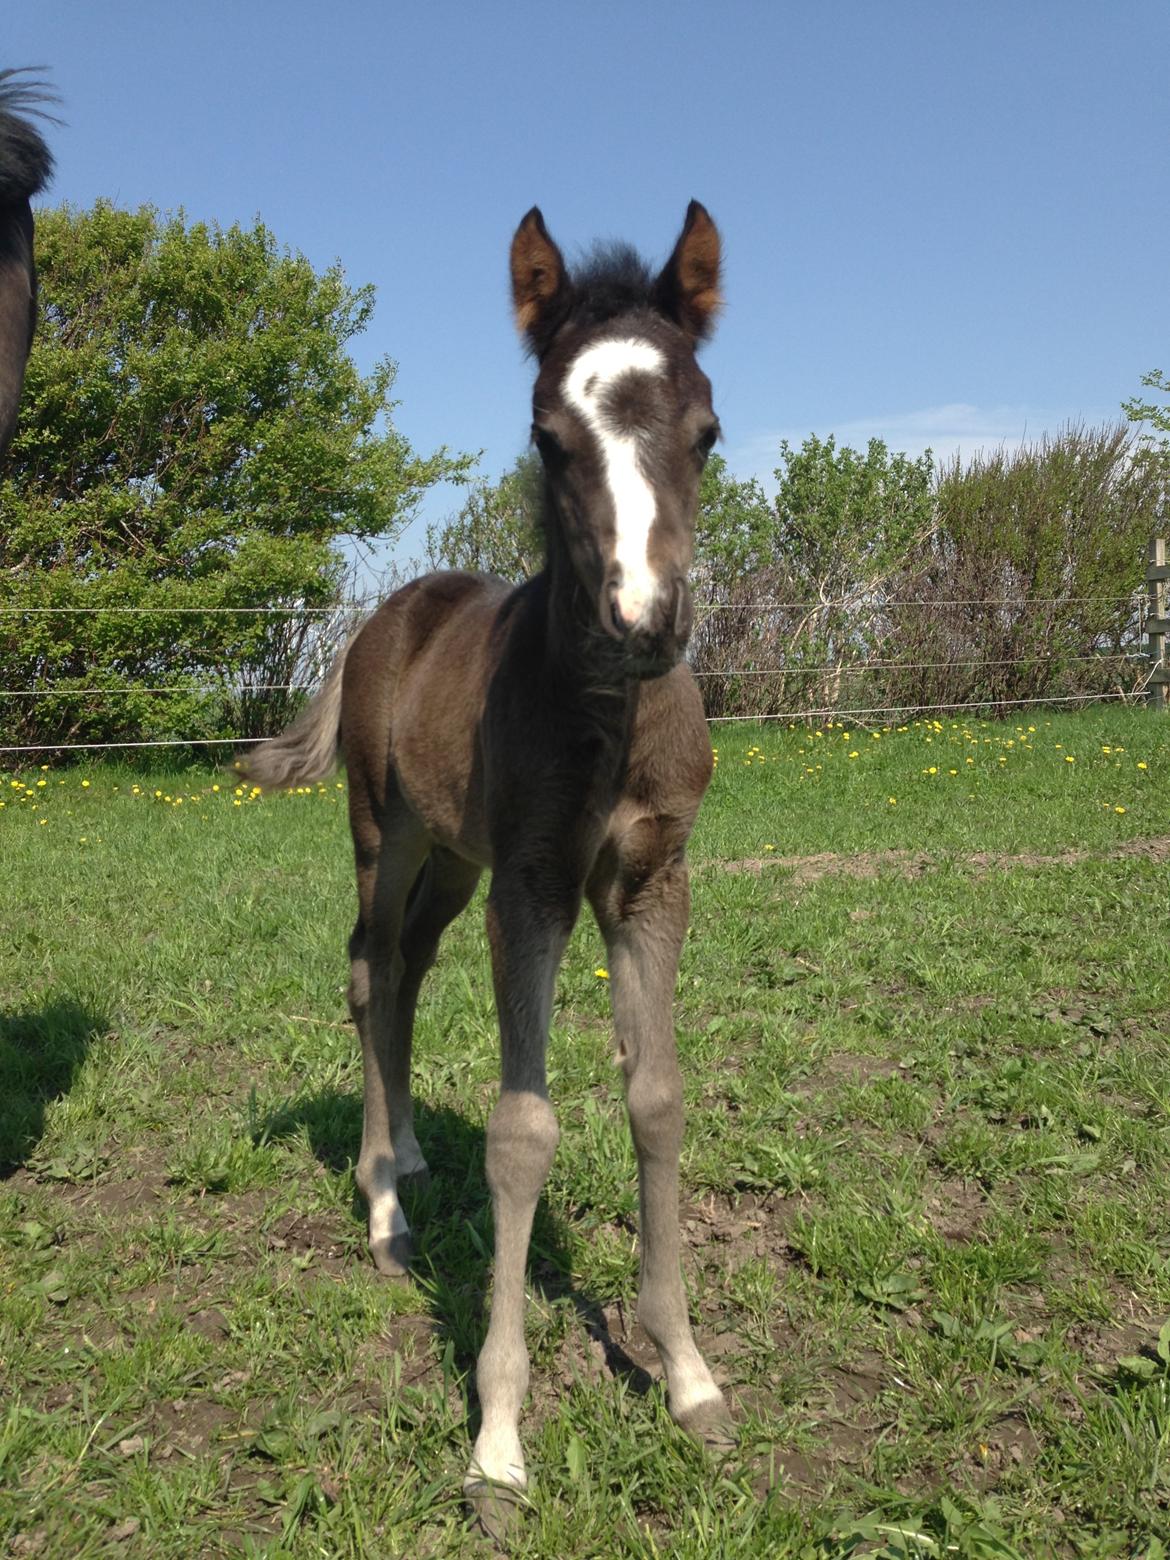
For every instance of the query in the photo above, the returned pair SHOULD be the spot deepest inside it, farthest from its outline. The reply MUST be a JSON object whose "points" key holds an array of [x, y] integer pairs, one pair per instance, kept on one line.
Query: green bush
{"points": [[194, 435]]}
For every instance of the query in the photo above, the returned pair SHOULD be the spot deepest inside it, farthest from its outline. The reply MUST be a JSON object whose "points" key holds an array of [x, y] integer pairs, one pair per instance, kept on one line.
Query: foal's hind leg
{"points": [[389, 1147], [644, 920], [387, 869]]}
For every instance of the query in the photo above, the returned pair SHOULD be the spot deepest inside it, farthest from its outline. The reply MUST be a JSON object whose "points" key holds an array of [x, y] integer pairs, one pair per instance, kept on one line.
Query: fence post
{"points": [[1157, 622]]}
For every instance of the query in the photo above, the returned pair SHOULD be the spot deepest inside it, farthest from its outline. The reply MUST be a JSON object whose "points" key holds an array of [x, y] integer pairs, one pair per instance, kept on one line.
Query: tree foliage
{"points": [[497, 531], [1156, 413], [194, 435], [872, 580]]}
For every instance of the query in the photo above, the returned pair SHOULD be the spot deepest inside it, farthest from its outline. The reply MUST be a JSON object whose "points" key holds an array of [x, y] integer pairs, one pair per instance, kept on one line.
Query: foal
{"points": [[552, 734], [25, 167]]}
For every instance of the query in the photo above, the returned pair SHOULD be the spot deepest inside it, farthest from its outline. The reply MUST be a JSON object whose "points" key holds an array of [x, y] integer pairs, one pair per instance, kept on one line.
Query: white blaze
{"points": [[633, 499]]}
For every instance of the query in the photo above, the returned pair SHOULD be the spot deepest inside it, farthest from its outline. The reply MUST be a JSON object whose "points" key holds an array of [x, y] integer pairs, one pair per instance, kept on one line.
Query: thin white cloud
{"points": [[955, 428]]}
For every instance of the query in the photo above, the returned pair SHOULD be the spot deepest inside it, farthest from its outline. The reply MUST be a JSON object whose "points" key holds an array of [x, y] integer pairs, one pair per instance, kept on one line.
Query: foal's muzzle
{"points": [[654, 644]]}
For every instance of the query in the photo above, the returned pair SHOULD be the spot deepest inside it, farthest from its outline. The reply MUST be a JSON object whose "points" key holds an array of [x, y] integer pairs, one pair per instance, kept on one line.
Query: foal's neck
{"points": [[586, 665]]}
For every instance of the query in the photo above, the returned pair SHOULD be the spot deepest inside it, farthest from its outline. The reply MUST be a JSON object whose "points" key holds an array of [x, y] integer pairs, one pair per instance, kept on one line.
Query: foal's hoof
{"points": [[711, 1424], [392, 1254], [495, 1509]]}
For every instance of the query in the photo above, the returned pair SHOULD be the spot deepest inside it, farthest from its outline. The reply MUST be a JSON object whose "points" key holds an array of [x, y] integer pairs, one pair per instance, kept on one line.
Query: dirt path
{"points": [[911, 863]]}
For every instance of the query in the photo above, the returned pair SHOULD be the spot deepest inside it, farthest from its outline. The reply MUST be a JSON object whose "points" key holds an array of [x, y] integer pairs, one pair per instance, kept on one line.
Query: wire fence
{"points": [[800, 710]]}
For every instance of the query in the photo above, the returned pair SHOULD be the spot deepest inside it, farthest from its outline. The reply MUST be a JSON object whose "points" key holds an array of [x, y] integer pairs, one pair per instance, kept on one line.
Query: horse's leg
{"points": [[389, 859], [527, 941], [440, 892], [644, 920]]}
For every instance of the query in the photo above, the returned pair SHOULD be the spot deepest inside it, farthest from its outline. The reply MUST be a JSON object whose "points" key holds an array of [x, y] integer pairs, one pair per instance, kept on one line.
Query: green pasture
{"points": [[924, 1020]]}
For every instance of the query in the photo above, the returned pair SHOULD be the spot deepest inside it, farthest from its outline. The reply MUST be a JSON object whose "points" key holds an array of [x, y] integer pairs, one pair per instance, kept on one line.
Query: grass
{"points": [[923, 1015]]}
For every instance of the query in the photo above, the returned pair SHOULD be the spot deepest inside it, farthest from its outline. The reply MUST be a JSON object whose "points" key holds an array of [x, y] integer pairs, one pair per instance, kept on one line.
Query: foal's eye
{"points": [[550, 447], [705, 443]]}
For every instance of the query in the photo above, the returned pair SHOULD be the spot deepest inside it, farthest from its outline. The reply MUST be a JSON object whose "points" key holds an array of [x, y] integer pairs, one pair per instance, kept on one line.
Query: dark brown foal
{"points": [[552, 734]]}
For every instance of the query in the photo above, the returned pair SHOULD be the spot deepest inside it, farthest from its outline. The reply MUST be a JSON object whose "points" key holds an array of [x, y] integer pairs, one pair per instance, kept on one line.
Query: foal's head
{"points": [[623, 421]]}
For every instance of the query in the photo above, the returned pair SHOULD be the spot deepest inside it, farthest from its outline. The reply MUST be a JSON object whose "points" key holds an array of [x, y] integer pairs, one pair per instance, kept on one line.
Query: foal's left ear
{"points": [[688, 288], [540, 283]]}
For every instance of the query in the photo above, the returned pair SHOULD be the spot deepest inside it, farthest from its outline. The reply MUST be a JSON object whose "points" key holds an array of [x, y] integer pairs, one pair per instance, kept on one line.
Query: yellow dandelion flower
{"points": [[85, 785], [1142, 764], [893, 801], [1119, 809], [1069, 759], [602, 974]]}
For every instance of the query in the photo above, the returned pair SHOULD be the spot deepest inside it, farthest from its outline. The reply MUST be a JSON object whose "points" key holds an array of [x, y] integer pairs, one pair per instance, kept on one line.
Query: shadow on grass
{"points": [[40, 1052], [451, 1220]]}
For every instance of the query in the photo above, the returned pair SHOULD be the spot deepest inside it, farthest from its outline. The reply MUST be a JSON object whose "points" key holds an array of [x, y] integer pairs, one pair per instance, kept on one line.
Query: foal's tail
{"points": [[307, 751]]}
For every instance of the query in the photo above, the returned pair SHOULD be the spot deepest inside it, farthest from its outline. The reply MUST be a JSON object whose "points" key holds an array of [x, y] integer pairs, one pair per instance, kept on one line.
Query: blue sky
{"points": [[945, 224]]}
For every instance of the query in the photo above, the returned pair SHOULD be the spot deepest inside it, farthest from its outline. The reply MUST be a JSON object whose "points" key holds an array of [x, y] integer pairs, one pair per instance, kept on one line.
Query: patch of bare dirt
{"points": [[956, 1209], [907, 863], [312, 1235], [863, 864], [845, 1067], [1010, 1443], [1102, 1344], [188, 1426]]}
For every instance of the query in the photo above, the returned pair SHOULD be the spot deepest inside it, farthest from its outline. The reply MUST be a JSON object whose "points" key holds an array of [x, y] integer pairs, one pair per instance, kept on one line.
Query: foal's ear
{"points": [[540, 284], [688, 288]]}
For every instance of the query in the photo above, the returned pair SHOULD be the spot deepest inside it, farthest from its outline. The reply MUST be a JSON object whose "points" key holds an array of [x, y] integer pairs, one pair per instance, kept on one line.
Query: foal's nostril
{"points": [[616, 623]]}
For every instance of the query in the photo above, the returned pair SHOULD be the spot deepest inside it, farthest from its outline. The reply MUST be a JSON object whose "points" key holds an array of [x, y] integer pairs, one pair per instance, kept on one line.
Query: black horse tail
{"points": [[26, 164]]}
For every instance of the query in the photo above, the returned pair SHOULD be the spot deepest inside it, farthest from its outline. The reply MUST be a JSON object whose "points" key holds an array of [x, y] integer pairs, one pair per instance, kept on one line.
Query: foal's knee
{"points": [[358, 991], [654, 1098], [522, 1137]]}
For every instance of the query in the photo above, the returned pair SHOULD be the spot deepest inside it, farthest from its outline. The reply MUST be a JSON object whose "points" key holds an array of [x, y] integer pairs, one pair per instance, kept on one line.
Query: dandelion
{"points": [[1069, 759], [893, 801], [85, 785], [1119, 809], [602, 974], [1142, 764]]}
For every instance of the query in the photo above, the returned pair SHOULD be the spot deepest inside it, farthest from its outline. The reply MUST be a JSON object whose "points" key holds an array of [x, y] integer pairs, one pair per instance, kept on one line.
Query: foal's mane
{"points": [[611, 279]]}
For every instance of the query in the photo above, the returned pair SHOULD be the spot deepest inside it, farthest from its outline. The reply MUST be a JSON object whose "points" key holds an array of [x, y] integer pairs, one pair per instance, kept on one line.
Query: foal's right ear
{"points": [[540, 284]]}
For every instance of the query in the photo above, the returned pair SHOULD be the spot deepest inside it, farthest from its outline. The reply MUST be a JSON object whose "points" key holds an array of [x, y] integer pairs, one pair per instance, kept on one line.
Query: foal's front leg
{"points": [[527, 941], [644, 922]]}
